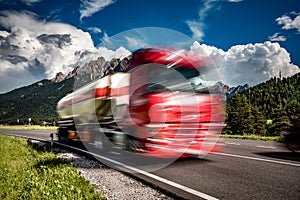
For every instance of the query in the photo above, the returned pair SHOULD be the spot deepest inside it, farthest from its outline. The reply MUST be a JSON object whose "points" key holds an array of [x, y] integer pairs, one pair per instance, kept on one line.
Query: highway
{"points": [[262, 170], [245, 169]]}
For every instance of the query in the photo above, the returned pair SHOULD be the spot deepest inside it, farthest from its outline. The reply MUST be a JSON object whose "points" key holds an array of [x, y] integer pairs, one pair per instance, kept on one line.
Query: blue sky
{"points": [[253, 37]]}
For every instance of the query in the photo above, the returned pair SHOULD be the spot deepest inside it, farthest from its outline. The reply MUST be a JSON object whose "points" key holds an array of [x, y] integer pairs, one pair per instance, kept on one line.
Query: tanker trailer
{"points": [[158, 106]]}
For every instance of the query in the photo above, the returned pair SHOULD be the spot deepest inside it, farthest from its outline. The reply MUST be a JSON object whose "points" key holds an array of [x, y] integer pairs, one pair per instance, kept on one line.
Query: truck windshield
{"points": [[195, 79], [185, 80]]}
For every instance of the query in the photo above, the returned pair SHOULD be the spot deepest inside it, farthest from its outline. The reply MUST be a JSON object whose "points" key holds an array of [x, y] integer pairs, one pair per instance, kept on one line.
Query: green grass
{"points": [[26, 173], [254, 137], [31, 127]]}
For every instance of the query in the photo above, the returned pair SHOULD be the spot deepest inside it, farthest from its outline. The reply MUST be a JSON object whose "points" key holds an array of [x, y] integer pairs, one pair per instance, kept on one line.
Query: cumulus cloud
{"points": [[32, 49], [90, 7], [290, 22], [277, 38], [250, 63]]}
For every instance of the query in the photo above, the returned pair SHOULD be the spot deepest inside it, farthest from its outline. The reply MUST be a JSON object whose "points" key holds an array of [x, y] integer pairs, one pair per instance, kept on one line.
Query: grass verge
{"points": [[254, 137], [26, 173], [31, 127]]}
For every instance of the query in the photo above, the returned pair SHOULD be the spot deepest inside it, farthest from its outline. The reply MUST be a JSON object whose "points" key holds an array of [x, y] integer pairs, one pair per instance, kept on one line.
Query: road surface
{"points": [[244, 170]]}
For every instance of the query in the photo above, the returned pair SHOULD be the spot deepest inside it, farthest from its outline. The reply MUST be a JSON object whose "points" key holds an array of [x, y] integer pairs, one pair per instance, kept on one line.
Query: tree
{"points": [[280, 122], [259, 122], [239, 117]]}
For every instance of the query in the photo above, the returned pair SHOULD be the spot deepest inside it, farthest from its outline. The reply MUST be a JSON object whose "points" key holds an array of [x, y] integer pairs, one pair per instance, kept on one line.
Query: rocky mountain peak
{"points": [[73, 73], [93, 70], [220, 87], [59, 77]]}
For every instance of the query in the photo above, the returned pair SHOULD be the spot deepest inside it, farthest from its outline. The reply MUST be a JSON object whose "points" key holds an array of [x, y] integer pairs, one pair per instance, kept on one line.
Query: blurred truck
{"points": [[160, 105]]}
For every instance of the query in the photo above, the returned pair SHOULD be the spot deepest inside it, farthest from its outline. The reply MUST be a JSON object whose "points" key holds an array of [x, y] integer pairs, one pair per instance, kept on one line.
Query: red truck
{"points": [[160, 105]]}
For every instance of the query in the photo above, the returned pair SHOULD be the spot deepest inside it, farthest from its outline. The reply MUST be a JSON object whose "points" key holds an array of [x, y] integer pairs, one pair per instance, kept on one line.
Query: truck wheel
{"points": [[62, 136]]}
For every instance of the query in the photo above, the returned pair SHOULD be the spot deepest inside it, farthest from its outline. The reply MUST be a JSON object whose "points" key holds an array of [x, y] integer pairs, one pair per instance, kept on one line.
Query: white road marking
{"points": [[158, 178], [259, 159], [232, 143], [266, 147]]}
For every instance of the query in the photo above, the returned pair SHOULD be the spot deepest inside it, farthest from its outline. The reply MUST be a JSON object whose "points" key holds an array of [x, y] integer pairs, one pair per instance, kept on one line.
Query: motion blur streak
{"points": [[159, 106]]}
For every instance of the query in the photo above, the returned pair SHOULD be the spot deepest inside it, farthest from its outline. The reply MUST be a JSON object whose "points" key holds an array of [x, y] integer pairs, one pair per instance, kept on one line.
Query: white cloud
{"points": [[197, 29], [90, 7], [30, 2], [106, 40], [234, 1], [134, 43], [277, 38], [207, 6], [197, 26], [250, 63], [4, 33], [95, 29], [32, 49], [288, 23]]}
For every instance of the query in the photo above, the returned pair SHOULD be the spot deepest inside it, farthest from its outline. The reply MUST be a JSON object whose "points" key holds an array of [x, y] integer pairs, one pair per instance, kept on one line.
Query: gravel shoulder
{"points": [[111, 183]]}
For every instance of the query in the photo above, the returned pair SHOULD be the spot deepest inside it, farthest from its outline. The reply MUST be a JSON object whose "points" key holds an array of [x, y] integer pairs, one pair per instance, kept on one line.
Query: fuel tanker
{"points": [[160, 105]]}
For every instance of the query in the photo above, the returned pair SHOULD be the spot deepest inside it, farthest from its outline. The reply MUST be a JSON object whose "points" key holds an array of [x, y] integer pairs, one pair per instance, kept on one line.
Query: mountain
{"points": [[93, 70], [229, 91], [234, 90], [59, 77], [38, 101]]}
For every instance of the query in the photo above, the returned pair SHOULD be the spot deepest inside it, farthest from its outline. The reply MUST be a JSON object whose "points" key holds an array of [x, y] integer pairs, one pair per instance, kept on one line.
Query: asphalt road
{"points": [[244, 170], [38, 134]]}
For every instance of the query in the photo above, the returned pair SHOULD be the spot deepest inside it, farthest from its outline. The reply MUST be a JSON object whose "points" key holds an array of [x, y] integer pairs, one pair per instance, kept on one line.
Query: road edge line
{"points": [[259, 159]]}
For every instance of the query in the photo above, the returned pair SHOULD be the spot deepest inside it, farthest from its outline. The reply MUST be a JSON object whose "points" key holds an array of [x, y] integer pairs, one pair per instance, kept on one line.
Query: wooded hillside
{"points": [[37, 101], [265, 109]]}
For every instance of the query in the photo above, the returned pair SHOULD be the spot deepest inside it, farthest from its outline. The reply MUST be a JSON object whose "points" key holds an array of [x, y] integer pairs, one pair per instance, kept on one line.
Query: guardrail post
{"points": [[51, 136]]}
